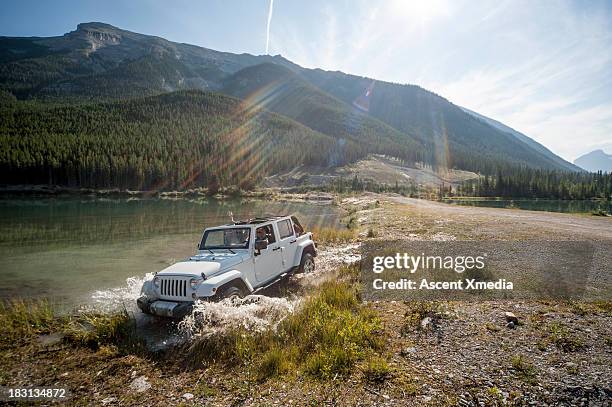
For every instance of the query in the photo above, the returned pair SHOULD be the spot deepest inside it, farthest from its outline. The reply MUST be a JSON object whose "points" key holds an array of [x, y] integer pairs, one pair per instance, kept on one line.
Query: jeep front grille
{"points": [[174, 288]]}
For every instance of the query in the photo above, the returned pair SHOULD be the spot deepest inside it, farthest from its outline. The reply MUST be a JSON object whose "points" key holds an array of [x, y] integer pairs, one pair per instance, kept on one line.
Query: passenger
{"points": [[297, 227]]}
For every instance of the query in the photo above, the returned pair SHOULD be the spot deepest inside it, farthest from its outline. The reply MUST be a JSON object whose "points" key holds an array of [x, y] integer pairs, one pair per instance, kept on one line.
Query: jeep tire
{"points": [[232, 292], [307, 265]]}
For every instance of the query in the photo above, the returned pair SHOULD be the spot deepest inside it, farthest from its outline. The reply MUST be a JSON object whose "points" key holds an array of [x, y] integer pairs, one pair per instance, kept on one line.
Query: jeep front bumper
{"points": [[163, 308]]}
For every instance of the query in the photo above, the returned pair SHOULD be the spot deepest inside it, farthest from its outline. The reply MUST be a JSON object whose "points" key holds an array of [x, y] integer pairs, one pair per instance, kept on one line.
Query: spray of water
{"points": [[119, 298], [268, 26], [254, 313]]}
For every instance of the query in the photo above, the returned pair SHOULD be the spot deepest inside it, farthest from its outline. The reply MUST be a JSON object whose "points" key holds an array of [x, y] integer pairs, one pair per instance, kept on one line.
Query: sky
{"points": [[543, 67]]}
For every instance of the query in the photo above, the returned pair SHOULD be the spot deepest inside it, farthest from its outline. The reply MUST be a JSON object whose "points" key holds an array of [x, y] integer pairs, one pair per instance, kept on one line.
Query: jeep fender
{"points": [[306, 246], [209, 287]]}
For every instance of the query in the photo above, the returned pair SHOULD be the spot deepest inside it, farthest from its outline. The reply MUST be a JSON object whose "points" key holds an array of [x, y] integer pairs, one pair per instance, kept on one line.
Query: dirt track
{"points": [[509, 224]]}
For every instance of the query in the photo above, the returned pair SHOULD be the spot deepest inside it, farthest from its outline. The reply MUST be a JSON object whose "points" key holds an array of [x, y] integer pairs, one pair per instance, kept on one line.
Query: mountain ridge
{"points": [[596, 160], [98, 61]]}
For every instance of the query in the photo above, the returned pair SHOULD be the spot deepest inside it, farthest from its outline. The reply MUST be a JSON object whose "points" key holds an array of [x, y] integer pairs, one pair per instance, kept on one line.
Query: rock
{"points": [[187, 396], [408, 350], [108, 400], [140, 384], [425, 322], [51, 339], [510, 317], [510, 325]]}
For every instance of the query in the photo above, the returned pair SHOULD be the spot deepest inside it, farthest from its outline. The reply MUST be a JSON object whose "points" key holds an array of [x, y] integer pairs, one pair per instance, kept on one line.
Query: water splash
{"points": [[254, 313], [120, 298]]}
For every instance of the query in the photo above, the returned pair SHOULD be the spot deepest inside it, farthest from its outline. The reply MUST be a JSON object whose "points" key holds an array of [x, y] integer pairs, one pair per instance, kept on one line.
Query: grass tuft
{"points": [[377, 370], [563, 339], [96, 330], [525, 370], [332, 235], [22, 319]]}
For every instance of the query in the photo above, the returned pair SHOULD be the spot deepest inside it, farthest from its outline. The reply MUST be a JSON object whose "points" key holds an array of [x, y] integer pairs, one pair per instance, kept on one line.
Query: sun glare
{"points": [[421, 12]]}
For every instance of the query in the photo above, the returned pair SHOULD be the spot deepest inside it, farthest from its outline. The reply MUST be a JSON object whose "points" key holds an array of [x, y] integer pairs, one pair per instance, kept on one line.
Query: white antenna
{"points": [[231, 215]]}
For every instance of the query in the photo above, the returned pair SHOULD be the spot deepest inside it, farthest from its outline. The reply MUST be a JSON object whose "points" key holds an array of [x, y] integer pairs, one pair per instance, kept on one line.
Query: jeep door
{"points": [[268, 264], [288, 242]]}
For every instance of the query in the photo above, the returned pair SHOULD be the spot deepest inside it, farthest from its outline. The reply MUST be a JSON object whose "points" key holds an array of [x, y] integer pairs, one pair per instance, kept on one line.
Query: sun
{"points": [[420, 11]]}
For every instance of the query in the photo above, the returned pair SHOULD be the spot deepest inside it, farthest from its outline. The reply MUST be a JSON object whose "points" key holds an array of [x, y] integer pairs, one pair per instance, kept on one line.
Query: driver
{"points": [[261, 235]]}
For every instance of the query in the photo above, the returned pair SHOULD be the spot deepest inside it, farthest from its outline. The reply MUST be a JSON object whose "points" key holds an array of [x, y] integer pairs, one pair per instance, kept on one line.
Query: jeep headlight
{"points": [[193, 283], [156, 281]]}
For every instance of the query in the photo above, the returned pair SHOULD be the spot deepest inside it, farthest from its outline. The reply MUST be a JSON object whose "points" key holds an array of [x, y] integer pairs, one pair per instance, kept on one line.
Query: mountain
{"points": [[525, 139], [456, 135], [99, 60], [281, 90], [594, 161], [103, 67]]}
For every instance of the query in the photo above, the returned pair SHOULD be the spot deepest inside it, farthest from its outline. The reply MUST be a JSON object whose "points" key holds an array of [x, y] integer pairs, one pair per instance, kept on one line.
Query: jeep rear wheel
{"points": [[307, 265]]}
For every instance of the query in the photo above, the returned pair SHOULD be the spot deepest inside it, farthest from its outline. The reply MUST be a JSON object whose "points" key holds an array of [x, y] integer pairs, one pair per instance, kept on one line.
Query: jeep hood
{"points": [[208, 264]]}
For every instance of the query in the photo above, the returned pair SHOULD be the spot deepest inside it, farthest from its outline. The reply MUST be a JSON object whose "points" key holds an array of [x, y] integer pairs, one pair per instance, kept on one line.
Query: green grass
{"points": [[591, 307], [95, 330], [563, 339], [524, 369], [22, 319], [326, 337], [377, 370], [333, 235]]}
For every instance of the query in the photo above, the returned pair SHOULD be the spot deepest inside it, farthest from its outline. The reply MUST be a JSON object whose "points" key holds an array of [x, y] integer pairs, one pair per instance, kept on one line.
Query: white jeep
{"points": [[233, 260]]}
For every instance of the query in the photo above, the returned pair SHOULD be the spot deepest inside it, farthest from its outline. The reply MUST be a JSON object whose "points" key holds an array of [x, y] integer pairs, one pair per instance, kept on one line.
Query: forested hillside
{"points": [[460, 139], [278, 89], [176, 140], [530, 183]]}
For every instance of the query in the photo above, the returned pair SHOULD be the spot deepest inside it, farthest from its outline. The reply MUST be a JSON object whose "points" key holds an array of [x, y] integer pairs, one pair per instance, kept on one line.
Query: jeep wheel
{"points": [[307, 265], [232, 292]]}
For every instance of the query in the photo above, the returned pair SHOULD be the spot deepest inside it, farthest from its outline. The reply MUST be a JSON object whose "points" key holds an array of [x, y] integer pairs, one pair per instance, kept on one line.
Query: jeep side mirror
{"points": [[261, 244]]}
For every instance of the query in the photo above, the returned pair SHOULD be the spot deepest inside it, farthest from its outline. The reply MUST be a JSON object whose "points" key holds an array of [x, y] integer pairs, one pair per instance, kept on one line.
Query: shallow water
{"points": [[98, 251], [549, 205]]}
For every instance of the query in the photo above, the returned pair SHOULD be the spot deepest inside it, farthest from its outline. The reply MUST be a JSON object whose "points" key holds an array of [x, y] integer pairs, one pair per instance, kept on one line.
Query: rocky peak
{"points": [[97, 35]]}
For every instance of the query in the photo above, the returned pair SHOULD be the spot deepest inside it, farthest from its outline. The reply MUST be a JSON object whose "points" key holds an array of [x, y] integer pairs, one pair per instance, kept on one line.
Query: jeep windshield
{"points": [[231, 238]]}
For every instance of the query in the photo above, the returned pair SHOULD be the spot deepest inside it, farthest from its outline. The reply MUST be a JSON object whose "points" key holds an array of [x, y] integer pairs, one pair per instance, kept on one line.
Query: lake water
{"points": [[72, 249], [550, 205]]}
